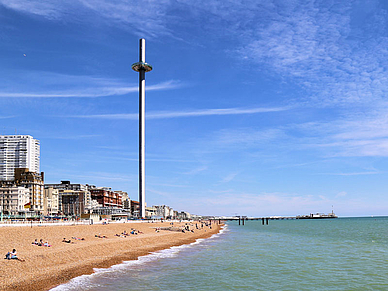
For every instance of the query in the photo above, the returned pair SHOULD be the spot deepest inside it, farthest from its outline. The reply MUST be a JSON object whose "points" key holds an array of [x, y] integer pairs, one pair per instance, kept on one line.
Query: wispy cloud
{"points": [[193, 113], [161, 193], [242, 138], [337, 55], [334, 57], [168, 185], [95, 177], [145, 18], [72, 137], [48, 9], [197, 170], [97, 88], [341, 194], [363, 135], [229, 178], [352, 174]]}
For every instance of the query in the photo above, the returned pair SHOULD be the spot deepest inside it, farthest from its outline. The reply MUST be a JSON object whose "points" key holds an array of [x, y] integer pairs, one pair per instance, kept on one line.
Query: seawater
{"points": [[330, 254]]}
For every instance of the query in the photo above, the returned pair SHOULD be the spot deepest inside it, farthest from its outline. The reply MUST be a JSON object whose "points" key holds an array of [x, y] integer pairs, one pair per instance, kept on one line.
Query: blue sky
{"points": [[253, 107]]}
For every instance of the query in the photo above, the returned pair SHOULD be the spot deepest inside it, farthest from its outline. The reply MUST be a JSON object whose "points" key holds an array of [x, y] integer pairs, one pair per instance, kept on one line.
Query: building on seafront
{"points": [[18, 151], [106, 197], [35, 183], [78, 199], [51, 201], [19, 167], [23, 193], [73, 199], [13, 200]]}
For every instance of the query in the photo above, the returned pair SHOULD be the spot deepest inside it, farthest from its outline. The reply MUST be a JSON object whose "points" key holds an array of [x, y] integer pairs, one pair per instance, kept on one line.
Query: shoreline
{"points": [[48, 267]]}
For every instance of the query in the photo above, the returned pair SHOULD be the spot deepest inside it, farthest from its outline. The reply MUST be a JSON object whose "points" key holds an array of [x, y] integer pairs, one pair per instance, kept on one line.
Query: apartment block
{"points": [[51, 201], [78, 193], [106, 197], [13, 199], [18, 151]]}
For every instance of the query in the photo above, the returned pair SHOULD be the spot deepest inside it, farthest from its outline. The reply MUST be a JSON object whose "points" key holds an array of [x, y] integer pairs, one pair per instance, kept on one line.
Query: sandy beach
{"points": [[47, 267]]}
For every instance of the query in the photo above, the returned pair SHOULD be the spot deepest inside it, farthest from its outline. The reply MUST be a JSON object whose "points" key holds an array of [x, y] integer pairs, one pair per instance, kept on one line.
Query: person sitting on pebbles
{"points": [[78, 238], [13, 256]]}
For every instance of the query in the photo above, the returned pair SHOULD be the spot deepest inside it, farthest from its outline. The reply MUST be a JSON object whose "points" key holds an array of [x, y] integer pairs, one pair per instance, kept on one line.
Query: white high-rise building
{"points": [[18, 151]]}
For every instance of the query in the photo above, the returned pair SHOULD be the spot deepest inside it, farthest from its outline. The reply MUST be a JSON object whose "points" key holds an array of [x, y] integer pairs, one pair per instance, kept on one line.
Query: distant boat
{"points": [[317, 216]]}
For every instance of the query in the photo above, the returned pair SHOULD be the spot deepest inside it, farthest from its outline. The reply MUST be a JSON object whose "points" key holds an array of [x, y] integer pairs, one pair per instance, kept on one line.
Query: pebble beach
{"points": [[92, 246]]}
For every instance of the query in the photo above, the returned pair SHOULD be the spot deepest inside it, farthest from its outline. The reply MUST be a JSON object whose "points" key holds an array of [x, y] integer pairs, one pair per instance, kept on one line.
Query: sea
{"points": [[321, 254]]}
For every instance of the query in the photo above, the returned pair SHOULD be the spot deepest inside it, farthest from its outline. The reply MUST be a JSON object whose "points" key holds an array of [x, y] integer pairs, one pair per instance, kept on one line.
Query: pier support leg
{"points": [[262, 220], [243, 221], [266, 220], [239, 221]]}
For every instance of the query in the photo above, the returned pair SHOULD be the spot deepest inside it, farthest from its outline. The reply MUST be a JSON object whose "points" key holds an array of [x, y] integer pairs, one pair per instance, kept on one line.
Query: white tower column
{"points": [[142, 67]]}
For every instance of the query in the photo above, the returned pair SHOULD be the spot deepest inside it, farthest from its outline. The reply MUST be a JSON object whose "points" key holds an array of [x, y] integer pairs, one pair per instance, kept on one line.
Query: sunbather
{"points": [[13, 256]]}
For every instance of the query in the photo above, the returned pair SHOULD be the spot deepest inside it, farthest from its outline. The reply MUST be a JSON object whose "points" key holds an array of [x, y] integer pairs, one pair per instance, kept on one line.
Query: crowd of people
{"points": [[40, 243]]}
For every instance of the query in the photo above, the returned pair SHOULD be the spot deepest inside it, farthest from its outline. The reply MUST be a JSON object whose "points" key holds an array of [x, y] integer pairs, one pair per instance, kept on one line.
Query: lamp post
{"points": [[142, 67]]}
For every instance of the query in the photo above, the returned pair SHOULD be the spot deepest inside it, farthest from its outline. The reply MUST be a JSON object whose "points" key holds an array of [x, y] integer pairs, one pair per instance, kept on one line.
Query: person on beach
{"points": [[35, 242], [13, 256], [66, 241], [77, 238]]}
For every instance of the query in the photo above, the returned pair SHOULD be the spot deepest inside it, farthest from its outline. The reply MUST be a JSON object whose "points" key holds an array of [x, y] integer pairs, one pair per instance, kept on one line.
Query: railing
{"points": [[43, 222], [10, 223]]}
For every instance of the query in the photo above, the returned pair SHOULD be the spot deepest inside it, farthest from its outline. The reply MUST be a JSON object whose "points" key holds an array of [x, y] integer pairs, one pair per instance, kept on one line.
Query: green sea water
{"points": [[330, 254]]}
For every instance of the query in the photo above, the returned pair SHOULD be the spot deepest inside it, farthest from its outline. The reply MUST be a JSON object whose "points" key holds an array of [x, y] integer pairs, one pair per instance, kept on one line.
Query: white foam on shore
{"points": [[84, 282]]}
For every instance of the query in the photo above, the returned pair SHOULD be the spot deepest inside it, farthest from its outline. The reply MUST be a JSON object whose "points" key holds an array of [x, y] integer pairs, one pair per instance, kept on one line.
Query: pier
{"points": [[244, 218], [241, 219]]}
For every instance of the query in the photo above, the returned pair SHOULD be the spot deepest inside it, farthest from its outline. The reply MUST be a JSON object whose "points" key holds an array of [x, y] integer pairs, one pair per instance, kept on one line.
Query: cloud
{"points": [[95, 177], [193, 113], [146, 18], [341, 194], [334, 56], [196, 170], [80, 86], [352, 174], [229, 178], [362, 135], [49, 9], [73, 137], [161, 193], [242, 138]]}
